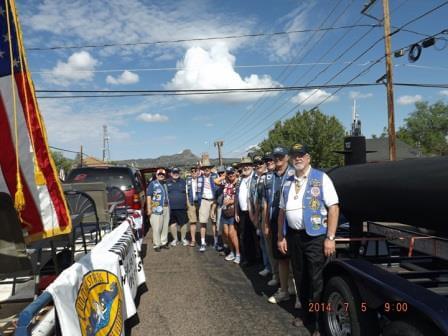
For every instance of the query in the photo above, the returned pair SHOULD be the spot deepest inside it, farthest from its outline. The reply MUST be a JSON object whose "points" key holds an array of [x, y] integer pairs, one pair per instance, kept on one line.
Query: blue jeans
{"points": [[264, 252]]}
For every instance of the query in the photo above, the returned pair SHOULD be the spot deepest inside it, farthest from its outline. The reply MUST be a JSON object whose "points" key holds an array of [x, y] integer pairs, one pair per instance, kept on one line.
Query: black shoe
{"points": [[166, 246], [156, 249]]}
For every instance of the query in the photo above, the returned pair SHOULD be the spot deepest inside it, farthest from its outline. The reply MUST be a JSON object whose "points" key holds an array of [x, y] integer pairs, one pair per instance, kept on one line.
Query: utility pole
{"points": [[389, 84], [389, 75], [219, 144], [106, 149]]}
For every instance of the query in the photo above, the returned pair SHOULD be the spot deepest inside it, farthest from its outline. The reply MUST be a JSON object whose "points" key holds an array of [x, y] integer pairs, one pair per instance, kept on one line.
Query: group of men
{"points": [[275, 208]]}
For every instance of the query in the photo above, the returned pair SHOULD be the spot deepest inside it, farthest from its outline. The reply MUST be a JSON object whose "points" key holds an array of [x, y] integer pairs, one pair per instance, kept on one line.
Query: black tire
{"points": [[346, 316], [408, 328]]}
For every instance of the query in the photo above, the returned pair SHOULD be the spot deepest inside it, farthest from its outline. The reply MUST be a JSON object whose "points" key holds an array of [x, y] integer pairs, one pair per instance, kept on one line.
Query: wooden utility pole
{"points": [[389, 84], [219, 144]]}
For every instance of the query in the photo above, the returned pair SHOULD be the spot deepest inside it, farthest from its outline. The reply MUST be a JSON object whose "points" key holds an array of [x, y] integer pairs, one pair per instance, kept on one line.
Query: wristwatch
{"points": [[332, 238]]}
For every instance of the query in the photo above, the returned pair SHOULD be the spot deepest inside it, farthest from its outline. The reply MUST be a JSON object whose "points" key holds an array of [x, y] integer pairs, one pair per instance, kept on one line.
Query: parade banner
{"points": [[27, 170], [96, 294]]}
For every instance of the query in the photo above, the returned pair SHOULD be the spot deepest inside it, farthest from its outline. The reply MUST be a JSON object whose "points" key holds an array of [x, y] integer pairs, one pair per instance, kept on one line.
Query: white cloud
{"points": [[359, 95], [209, 124], [152, 118], [444, 93], [79, 67], [126, 77], [214, 69], [409, 100], [313, 97], [86, 22]]}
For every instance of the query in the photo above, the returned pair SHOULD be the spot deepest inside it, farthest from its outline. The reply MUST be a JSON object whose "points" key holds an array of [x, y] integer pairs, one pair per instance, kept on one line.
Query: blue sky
{"points": [[142, 127]]}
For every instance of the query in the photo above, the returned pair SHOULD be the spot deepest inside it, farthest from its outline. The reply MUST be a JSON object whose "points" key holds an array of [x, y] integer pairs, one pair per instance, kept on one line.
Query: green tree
{"points": [[427, 128], [61, 161], [322, 133]]}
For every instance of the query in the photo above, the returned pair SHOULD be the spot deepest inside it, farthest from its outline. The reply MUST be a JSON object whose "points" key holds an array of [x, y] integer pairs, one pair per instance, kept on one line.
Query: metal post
{"points": [[389, 84], [81, 156], [219, 144]]}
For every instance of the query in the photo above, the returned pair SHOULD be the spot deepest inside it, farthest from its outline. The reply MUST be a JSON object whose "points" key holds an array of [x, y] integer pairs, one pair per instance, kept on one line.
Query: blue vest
{"points": [[190, 191], [270, 187], [314, 209], [158, 194], [201, 186]]}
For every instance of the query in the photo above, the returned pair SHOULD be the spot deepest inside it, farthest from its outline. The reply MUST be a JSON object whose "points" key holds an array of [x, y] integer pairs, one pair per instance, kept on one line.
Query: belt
{"points": [[208, 199], [296, 231]]}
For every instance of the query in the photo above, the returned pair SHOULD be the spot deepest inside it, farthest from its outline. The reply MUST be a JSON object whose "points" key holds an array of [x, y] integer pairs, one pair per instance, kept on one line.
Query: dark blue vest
{"points": [[158, 194], [201, 185], [271, 186]]}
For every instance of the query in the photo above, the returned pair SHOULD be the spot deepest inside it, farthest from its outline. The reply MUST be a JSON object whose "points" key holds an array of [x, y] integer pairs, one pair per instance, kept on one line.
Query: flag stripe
{"points": [[43, 156], [9, 169]]}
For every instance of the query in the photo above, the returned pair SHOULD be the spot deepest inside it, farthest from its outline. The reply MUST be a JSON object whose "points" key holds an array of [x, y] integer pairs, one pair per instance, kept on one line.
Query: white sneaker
{"points": [[273, 282], [185, 242], [264, 272], [174, 243], [230, 257], [237, 259], [291, 289], [279, 296]]}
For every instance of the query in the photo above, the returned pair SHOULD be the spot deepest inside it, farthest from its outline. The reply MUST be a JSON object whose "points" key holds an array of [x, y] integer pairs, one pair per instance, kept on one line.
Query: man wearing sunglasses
{"points": [[307, 222], [273, 184]]}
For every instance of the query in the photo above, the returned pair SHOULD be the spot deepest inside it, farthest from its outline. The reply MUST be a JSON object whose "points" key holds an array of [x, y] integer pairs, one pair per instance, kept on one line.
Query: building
{"points": [[380, 149]]}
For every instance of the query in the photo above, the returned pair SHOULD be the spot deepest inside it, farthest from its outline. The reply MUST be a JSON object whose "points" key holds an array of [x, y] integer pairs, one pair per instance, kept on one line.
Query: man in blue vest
{"points": [[206, 194], [158, 210], [178, 206], [309, 211], [273, 185]]}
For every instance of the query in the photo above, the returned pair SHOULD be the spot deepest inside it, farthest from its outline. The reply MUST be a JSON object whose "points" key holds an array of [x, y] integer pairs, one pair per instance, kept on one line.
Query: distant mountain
{"points": [[184, 159]]}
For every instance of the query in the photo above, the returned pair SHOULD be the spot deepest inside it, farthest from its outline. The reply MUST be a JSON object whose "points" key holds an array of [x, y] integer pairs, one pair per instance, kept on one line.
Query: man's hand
{"points": [[329, 247], [282, 245], [237, 218], [149, 212]]}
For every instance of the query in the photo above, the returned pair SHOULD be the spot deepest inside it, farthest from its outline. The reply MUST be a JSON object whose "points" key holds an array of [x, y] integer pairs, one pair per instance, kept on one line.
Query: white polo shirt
{"points": [[294, 207], [243, 194]]}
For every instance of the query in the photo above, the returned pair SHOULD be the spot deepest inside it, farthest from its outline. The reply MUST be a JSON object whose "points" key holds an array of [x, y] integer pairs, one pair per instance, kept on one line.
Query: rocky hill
{"points": [[183, 159]]}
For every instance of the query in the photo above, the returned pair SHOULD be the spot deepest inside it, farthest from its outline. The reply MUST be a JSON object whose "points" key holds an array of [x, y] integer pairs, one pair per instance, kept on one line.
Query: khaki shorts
{"points": [[204, 211], [193, 213]]}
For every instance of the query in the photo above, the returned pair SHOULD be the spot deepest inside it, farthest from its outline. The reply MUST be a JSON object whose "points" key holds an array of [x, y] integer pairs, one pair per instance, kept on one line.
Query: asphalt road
{"points": [[192, 293]]}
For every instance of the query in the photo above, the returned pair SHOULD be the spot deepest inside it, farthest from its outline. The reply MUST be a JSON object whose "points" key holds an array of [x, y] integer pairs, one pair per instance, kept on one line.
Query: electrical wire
{"points": [[228, 37]]}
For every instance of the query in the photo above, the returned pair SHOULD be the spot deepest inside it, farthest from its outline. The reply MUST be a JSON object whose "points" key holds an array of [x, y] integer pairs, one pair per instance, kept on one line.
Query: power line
{"points": [[284, 75], [364, 71], [228, 37]]}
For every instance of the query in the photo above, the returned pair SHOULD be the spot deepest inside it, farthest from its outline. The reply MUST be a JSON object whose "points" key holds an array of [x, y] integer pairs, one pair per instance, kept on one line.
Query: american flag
{"points": [[40, 202]]}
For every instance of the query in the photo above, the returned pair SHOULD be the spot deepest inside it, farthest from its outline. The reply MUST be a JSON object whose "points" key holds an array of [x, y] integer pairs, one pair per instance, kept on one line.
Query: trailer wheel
{"points": [[408, 328], [346, 316]]}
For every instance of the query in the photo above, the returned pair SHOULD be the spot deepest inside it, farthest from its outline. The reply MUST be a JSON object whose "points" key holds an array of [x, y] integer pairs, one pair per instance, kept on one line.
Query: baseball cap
{"points": [[175, 170], [279, 151], [268, 157], [258, 159], [230, 170], [161, 172], [298, 149]]}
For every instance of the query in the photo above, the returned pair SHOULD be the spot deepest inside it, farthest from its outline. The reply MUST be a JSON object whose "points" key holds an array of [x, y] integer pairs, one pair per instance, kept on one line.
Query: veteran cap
{"points": [[175, 170], [230, 170], [279, 151], [268, 157], [258, 159], [298, 149]]}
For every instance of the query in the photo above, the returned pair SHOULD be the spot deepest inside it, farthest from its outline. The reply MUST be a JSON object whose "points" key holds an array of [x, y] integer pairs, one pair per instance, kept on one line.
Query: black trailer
{"points": [[389, 278]]}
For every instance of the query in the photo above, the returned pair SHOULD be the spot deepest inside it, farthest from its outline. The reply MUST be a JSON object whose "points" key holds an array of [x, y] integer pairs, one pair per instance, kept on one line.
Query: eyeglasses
{"points": [[247, 167], [161, 175], [279, 157]]}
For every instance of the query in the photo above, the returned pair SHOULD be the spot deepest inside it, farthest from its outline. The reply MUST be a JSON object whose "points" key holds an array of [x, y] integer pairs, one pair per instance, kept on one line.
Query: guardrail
{"points": [[24, 323]]}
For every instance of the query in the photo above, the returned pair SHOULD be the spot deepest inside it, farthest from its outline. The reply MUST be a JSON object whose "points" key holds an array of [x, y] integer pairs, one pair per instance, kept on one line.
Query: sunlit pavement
{"points": [[193, 293]]}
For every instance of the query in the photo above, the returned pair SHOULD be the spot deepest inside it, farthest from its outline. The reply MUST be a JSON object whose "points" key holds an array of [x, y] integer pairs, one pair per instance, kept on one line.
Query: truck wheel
{"points": [[408, 328], [345, 316]]}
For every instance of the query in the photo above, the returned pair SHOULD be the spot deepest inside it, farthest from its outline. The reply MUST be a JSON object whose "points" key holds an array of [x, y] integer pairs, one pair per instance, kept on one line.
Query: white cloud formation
{"points": [[214, 69], [79, 67], [313, 97], [153, 118], [86, 22], [444, 93], [409, 100], [126, 77], [359, 95]]}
